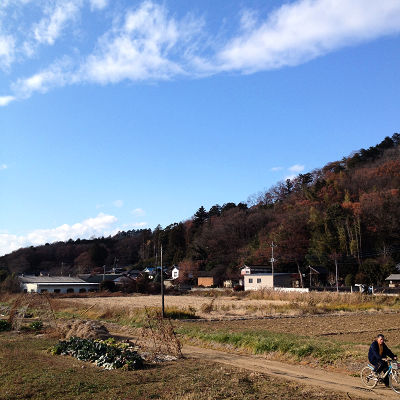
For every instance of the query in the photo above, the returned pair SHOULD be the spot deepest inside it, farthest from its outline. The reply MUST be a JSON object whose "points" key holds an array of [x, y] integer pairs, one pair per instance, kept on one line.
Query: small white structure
{"points": [[55, 284], [255, 269], [267, 281], [175, 272]]}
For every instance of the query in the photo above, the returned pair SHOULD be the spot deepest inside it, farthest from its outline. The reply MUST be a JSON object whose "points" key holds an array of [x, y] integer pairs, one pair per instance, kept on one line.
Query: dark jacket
{"points": [[373, 355]]}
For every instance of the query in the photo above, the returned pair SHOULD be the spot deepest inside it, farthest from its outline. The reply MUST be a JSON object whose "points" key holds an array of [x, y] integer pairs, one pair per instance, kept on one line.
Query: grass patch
{"points": [[262, 342]]}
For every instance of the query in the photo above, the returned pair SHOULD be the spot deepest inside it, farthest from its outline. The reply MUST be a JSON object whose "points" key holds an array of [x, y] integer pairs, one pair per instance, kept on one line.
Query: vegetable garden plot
{"points": [[104, 353]]}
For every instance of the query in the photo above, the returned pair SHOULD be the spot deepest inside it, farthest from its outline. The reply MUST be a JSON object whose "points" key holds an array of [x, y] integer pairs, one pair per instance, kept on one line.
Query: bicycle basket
{"points": [[395, 365]]}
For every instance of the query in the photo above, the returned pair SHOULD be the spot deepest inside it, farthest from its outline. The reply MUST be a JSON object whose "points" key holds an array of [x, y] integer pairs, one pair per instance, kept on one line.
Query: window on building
{"points": [[258, 280], [83, 290], [57, 291], [43, 290], [250, 280], [70, 290]]}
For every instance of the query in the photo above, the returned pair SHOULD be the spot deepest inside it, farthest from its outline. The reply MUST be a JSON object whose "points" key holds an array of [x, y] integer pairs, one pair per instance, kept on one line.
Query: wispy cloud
{"points": [[98, 4], [57, 17], [138, 212], [275, 169], [294, 170], [142, 48], [101, 225], [7, 51], [300, 31], [56, 75], [118, 203], [139, 225], [148, 43], [3, 167], [5, 100], [297, 168]]}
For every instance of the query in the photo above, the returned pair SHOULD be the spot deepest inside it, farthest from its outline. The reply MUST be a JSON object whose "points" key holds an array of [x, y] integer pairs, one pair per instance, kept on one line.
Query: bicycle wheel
{"points": [[368, 378], [395, 381]]}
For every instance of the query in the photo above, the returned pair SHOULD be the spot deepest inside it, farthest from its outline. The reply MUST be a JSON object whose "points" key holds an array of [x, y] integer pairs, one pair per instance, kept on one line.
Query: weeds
{"points": [[262, 342]]}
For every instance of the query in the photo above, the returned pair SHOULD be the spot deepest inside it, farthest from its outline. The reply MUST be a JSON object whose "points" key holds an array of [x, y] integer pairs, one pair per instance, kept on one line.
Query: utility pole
{"points": [[272, 262], [337, 282], [162, 285]]}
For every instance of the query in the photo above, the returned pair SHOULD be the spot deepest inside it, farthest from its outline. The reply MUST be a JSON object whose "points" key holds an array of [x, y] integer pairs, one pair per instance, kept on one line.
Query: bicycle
{"points": [[370, 379]]}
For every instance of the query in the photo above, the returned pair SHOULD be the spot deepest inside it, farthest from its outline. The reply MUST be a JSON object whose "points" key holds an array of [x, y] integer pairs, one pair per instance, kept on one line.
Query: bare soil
{"points": [[359, 328], [222, 306]]}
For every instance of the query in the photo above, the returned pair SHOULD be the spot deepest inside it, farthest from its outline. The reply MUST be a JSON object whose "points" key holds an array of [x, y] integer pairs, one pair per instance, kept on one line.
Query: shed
{"points": [[206, 281]]}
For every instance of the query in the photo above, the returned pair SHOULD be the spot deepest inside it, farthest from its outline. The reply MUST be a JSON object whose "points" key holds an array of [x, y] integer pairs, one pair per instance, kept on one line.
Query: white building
{"points": [[175, 272], [55, 284], [268, 281]]}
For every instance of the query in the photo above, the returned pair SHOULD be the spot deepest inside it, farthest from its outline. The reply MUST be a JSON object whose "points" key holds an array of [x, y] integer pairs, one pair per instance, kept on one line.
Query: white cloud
{"points": [[149, 44], [98, 4], [139, 225], [274, 169], [5, 100], [303, 30], [7, 50], [143, 48], [297, 168], [102, 225], [57, 17], [3, 167], [138, 212], [56, 75], [118, 203]]}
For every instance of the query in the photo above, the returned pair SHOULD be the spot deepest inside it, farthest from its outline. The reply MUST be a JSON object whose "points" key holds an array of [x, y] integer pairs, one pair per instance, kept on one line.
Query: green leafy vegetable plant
{"points": [[106, 354]]}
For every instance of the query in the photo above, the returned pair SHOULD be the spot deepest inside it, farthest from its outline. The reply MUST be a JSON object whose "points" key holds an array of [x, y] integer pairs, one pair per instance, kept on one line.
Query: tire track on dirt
{"points": [[324, 379]]}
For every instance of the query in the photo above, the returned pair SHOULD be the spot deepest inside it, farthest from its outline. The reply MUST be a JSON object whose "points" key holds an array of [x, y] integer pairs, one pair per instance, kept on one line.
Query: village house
{"points": [[175, 272], [394, 280], [261, 281], [55, 284]]}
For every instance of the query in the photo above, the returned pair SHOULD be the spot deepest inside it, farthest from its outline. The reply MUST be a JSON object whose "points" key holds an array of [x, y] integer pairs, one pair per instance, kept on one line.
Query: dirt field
{"points": [[359, 328], [222, 306]]}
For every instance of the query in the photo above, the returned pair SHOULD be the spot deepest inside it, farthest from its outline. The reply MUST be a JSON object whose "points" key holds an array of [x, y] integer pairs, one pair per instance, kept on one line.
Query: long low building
{"points": [[55, 284]]}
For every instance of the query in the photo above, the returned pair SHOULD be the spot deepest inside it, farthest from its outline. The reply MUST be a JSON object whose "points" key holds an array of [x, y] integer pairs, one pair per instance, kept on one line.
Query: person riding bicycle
{"points": [[377, 351]]}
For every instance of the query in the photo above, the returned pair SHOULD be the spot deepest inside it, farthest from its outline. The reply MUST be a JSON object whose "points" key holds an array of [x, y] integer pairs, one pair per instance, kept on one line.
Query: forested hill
{"points": [[348, 211]]}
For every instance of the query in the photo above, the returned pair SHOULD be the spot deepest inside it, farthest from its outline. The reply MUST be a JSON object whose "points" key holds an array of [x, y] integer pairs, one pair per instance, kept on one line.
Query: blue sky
{"points": [[126, 114]]}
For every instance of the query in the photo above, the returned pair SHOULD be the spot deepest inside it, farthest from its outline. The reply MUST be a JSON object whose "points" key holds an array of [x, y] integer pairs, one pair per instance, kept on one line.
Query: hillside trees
{"points": [[347, 213]]}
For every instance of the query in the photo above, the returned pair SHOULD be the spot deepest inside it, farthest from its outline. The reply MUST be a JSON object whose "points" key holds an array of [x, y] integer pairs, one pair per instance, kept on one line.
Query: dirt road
{"points": [[333, 381], [304, 375]]}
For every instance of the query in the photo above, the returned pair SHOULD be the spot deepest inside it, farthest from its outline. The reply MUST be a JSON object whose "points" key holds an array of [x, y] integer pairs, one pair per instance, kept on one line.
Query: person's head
{"points": [[380, 338]]}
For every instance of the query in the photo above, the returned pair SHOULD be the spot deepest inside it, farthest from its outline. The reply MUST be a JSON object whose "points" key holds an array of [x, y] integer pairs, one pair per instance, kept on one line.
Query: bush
{"points": [[4, 325], [104, 353], [108, 285], [36, 325]]}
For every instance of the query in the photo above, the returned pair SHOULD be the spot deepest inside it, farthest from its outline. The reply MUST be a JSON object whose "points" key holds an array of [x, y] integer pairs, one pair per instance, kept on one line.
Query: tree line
{"points": [[345, 213]]}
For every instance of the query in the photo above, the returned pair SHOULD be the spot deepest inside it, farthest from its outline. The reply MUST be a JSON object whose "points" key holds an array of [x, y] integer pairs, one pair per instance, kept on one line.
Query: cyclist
{"points": [[377, 352]]}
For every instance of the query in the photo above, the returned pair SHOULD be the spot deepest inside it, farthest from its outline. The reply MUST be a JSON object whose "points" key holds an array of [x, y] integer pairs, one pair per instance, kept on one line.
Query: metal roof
{"points": [[50, 279], [270, 274], [393, 277]]}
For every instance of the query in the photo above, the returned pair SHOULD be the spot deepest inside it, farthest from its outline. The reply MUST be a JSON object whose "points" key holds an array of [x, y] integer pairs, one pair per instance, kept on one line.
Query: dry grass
{"points": [[248, 304]]}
